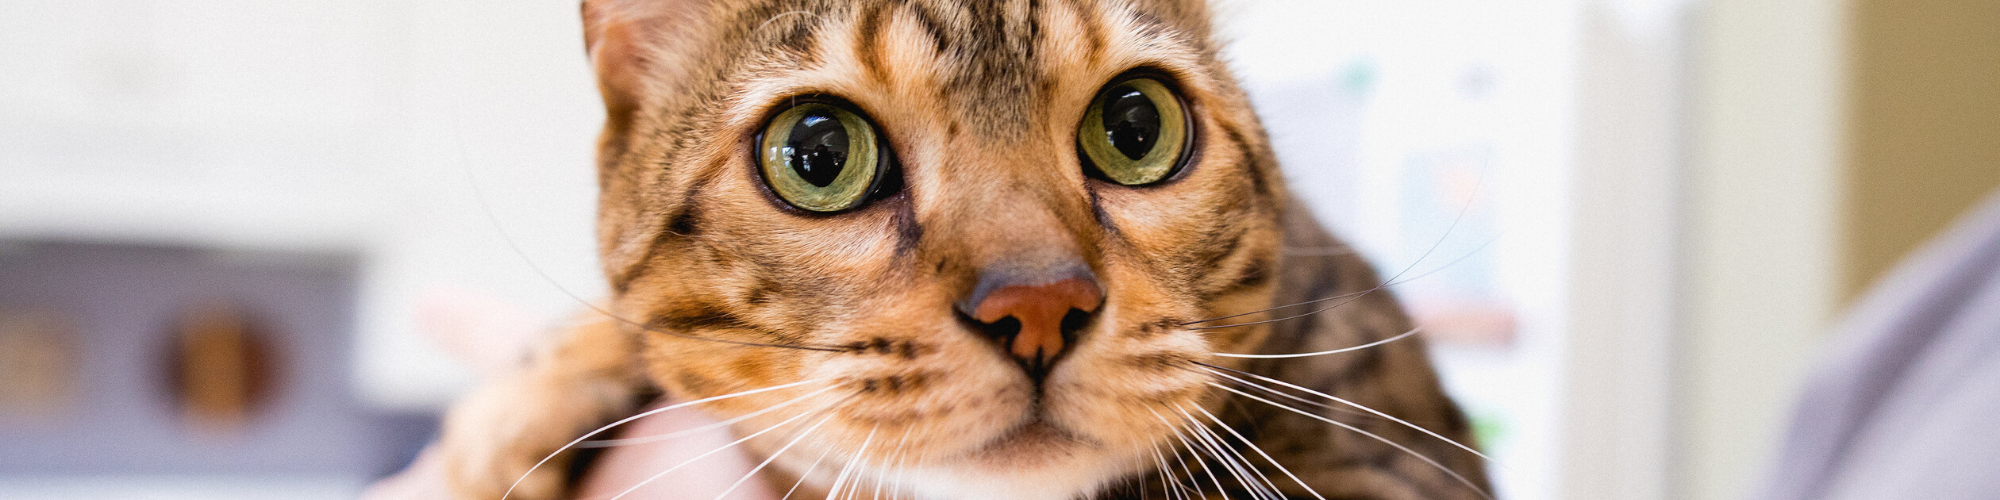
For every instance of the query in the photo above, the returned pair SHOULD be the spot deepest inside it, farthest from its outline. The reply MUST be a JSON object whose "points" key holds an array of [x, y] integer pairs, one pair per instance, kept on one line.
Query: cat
{"points": [[1009, 249]]}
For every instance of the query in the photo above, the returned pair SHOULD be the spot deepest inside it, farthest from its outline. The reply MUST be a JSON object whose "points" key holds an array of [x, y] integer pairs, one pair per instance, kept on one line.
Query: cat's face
{"points": [[977, 226]]}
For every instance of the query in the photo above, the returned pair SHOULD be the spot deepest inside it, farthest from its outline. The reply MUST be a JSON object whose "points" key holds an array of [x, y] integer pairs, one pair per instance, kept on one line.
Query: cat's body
{"points": [[1002, 306]]}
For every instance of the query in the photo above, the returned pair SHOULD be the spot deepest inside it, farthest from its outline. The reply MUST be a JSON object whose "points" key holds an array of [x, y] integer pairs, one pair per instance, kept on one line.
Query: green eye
{"points": [[820, 157], [1135, 132]]}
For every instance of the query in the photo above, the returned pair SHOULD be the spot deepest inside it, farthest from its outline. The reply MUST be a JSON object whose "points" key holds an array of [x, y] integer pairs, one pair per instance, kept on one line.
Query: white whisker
{"points": [[1260, 451], [607, 443], [808, 473], [1193, 479], [774, 456], [1196, 453], [1351, 297], [922, 458], [719, 449], [1235, 459], [1392, 281], [1413, 453], [1371, 411], [1175, 490], [587, 435], [767, 22], [1290, 396], [1400, 336], [841, 480], [882, 473], [902, 455], [1224, 457]]}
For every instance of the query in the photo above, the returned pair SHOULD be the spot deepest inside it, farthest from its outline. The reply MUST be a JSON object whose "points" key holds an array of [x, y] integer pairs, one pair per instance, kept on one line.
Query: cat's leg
{"points": [[586, 377]]}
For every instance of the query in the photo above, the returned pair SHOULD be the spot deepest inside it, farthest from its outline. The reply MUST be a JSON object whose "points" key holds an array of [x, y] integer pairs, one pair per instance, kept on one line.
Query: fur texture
{"points": [[979, 102]]}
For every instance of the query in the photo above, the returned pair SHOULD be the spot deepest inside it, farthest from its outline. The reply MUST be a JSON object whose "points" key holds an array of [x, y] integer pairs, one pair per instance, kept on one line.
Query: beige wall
{"points": [[1759, 232], [1924, 125]]}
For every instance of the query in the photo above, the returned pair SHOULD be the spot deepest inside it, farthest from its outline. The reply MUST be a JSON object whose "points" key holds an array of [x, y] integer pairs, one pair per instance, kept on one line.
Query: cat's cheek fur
{"points": [[947, 402]]}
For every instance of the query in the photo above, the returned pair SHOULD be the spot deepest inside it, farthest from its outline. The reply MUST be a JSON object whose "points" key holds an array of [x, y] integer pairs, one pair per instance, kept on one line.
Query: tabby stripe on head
{"points": [[868, 41], [1093, 28]]}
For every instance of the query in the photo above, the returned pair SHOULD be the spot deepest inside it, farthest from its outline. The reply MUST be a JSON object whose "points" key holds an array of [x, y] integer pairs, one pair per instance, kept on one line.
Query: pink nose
{"points": [[1045, 313]]}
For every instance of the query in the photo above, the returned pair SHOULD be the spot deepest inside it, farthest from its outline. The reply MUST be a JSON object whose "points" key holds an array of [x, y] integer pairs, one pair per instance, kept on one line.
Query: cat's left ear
{"points": [[624, 39]]}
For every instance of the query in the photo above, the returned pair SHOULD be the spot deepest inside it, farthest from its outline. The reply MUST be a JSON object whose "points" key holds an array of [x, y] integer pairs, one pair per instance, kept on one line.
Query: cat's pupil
{"points": [[818, 147], [1131, 122]]}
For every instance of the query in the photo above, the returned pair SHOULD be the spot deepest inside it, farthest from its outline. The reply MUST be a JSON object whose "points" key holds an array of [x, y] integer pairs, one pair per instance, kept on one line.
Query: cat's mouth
{"points": [[1036, 442]]}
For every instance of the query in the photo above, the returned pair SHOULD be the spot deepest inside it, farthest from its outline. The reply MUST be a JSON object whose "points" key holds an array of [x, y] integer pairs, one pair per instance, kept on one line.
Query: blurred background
{"points": [[235, 235]]}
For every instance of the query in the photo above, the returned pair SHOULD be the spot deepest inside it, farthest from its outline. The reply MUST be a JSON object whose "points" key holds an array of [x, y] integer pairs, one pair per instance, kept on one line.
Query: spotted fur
{"points": [[719, 287]]}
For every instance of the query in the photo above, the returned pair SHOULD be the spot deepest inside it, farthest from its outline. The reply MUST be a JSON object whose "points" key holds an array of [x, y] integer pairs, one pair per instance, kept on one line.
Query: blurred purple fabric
{"points": [[1906, 405]]}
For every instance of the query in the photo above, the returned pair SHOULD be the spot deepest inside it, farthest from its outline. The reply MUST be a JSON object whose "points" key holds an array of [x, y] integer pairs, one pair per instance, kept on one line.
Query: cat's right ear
{"points": [[624, 39]]}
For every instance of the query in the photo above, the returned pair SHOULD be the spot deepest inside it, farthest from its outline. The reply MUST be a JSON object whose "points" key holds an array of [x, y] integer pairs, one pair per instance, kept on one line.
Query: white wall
{"points": [[351, 126], [1625, 203]]}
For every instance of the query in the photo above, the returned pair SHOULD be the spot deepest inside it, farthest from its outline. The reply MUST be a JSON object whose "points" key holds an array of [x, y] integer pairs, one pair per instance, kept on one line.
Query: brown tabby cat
{"points": [[1000, 248]]}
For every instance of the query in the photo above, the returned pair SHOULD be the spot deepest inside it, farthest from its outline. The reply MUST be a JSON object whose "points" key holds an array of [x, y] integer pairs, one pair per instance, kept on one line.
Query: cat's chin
{"points": [[1034, 461], [1032, 445]]}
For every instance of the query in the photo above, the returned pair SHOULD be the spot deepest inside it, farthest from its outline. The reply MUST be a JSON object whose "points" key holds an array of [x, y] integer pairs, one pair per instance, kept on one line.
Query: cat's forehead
{"points": [[991, 65]]}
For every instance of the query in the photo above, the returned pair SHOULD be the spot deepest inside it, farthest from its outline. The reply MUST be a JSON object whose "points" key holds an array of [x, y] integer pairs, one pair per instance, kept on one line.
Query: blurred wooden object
{"points": [[37, 363], [221, 367]]}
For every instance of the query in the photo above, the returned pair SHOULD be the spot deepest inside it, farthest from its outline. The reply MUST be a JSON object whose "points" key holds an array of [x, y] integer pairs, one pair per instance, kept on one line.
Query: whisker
{"points": [[922, 459], [841, 480], [648, 413], [767, 22], [1455, 220], [774, 456], [1399, 336], [719, 449], [1192, 480], [896, 485], [1196, 453], [1222, 459], [1249, 475], [508, 238], [1260, 451], [807, 473], [1176, 490], [1236, 459], [607, 443], [881, 473], [902, 465], [1351, 296], [1290, 396], [1219, 371], [1413, 453]]}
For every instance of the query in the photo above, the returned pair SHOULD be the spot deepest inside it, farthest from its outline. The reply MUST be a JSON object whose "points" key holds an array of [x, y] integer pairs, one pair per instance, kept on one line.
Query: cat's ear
{"points": [[623, 38]]}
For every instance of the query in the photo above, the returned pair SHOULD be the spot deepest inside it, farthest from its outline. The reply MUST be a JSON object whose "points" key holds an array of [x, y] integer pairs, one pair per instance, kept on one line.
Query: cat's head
{"points": [[978, 227]]}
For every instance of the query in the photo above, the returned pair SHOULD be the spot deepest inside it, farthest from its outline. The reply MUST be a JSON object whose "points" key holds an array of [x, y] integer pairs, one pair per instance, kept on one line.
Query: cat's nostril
{"points": [[1037, 323], [1003, 330], [1073, 321]]}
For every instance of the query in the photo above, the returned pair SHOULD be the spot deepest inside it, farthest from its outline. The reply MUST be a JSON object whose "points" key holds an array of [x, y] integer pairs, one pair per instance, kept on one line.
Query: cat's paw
{"points": [[495, 436]]}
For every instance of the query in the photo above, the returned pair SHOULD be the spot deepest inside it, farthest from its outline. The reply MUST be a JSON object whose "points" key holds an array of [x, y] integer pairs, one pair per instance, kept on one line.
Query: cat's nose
{"points": [[1034, 317]]}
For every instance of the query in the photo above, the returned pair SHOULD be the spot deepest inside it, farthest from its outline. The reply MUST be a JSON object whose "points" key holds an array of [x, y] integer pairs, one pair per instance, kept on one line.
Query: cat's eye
{"points": [[1134, 133], [821, 157]]}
